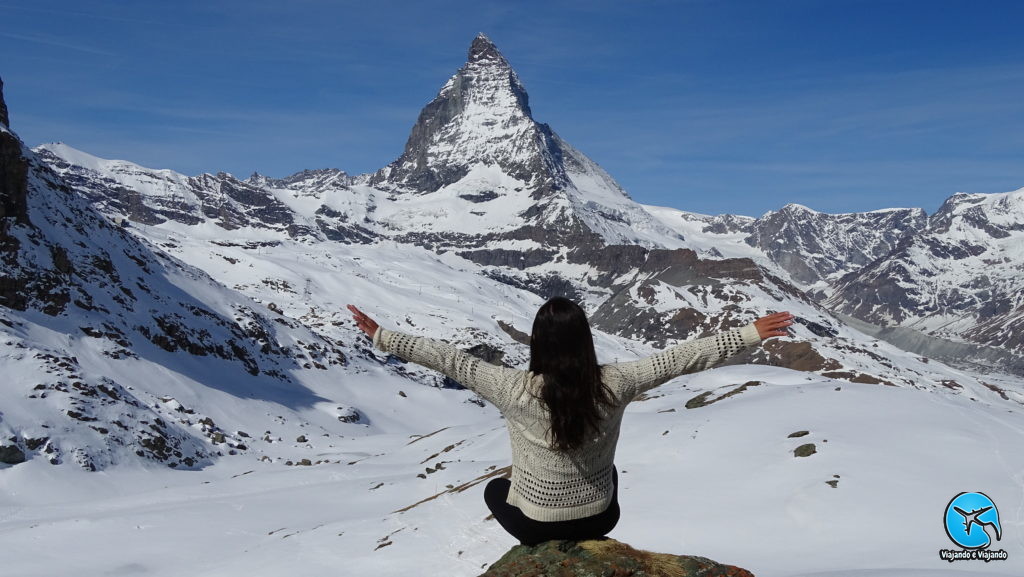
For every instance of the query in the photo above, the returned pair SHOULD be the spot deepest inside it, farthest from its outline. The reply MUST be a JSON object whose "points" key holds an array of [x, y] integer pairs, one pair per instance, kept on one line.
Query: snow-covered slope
{"points": [[108, 340], [719, 480]]}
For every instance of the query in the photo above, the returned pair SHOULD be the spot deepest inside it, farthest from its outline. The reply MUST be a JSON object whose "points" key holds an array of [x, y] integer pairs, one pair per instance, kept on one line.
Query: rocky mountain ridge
{"points": [[959, 278], [948, 278], [814, 251]]}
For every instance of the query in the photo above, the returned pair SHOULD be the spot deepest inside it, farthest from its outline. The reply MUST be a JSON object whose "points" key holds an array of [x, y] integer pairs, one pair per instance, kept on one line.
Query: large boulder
{"points": [[11, 454], [603, 557]]}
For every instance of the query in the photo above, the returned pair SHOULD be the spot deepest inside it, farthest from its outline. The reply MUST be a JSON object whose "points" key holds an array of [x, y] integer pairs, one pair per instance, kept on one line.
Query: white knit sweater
{"points": [[547, 484]]}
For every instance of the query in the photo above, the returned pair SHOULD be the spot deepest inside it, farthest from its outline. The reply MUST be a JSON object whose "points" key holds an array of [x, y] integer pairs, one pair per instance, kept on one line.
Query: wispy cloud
{"points": [[74, 13], [48, 40]]}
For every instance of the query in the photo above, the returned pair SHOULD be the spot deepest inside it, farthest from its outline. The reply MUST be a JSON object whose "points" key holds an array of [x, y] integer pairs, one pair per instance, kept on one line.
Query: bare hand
{"points": [[365, 323], [774, 325]]}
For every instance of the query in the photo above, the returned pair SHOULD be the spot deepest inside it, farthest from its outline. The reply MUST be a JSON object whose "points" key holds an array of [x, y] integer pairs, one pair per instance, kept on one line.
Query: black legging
{"points": [[532, 532]]}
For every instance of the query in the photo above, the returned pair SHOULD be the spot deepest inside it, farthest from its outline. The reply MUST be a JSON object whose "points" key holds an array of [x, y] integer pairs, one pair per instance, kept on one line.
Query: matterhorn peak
{"points": [[480, 117], [483, 50], [478, 141]]}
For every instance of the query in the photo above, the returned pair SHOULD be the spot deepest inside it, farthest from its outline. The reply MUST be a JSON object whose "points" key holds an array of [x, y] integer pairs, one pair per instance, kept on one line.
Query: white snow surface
{"points": [[691, 226], [719, 481]]}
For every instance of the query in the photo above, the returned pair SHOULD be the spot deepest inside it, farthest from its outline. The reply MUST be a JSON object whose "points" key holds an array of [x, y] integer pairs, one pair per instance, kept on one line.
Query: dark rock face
{"points": [[4, 120], [335, 227], [604, 557], [251, 204], [315, 179], [13, 179], [545, 286], [11, 454], [518, 259], [25, 284]]}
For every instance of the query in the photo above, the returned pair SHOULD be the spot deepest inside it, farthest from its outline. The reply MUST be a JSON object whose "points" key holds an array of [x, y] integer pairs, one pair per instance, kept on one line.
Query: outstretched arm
{"points": [[696, 355], [492, 382]]}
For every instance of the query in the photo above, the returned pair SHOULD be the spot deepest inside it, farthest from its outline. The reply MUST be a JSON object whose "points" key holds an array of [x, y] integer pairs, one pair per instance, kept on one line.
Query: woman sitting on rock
{"points": [[564, 413]]}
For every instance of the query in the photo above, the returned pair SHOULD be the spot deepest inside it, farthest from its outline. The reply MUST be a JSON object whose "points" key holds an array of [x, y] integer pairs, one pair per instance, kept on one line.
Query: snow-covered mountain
{"points": [[90, 311], [477, 162], [959, 279], [816, 248], [812, 248], [154, 197]]}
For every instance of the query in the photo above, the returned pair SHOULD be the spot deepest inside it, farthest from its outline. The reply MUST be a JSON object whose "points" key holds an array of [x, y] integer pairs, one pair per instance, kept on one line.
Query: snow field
{"points": [[721, 482]]}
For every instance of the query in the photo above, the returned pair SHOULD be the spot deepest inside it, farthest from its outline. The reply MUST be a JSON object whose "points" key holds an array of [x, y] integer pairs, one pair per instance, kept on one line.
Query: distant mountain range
{"points": [[110, 268]]}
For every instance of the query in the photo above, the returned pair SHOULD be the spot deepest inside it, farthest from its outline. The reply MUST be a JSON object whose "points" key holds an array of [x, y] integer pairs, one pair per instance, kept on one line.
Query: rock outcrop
{"points": [[4, 120], [13, 170], [604, 557]]}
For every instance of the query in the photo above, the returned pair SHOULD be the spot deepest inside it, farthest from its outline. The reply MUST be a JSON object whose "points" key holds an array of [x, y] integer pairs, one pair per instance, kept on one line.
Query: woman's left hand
{"points": [[365, 323]]}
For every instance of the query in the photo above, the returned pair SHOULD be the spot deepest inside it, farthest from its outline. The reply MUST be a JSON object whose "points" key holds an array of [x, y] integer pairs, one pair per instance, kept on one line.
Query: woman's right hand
{"points": [[774, 325], [365, 323]]}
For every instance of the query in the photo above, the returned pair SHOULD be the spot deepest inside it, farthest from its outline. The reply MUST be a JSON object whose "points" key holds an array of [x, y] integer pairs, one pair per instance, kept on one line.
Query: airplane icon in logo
{"points": [[972, 518]]}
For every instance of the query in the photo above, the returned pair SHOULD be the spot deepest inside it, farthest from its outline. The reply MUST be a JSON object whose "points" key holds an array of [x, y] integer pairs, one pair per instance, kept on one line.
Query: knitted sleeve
{"points": [[689, 357], [492, 382]]}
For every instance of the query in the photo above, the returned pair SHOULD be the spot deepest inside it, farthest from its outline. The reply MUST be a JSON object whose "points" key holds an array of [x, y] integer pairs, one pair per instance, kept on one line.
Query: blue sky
{"points": [[708, 106]]}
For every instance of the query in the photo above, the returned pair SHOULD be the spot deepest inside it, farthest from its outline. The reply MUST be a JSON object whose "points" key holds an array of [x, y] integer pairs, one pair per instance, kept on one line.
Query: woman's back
{"points": [[552, 484]]}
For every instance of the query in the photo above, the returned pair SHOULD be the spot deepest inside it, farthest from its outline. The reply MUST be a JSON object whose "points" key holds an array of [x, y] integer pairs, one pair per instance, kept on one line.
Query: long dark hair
{"points": [[562, 350]]}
